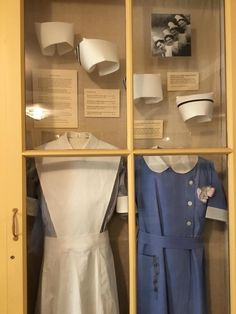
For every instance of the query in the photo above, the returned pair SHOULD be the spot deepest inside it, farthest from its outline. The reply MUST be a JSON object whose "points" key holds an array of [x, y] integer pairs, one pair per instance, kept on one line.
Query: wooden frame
{"points": [[12, 165]]}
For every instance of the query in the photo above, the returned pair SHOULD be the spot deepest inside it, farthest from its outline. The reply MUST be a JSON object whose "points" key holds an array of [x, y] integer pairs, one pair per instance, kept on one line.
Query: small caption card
{"points": [[147, 129], [101, 103], [182, 81], [55, 93]]}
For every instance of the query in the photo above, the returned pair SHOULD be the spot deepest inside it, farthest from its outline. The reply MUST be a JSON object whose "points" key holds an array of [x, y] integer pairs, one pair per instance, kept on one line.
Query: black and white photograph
{"points": [[171, 35]]}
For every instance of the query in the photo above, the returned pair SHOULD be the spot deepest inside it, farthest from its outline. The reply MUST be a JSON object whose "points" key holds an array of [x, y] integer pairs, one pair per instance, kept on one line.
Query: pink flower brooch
{"points": [[205, 192]]}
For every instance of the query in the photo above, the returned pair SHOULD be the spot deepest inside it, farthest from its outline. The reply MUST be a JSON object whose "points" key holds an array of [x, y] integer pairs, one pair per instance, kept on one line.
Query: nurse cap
{"points": [[157, 38], [147, 87], [99, 53], [179, 17], [54, 36], [167, 32], [198, 107], [172, 25]]}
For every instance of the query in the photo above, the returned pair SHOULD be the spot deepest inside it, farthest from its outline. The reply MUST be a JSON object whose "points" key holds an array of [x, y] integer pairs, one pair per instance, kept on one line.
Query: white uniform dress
{"points": [[78, 274]]}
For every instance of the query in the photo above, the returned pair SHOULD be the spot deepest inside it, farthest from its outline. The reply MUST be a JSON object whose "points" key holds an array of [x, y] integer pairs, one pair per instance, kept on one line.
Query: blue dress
{"points": [[171, 215]]}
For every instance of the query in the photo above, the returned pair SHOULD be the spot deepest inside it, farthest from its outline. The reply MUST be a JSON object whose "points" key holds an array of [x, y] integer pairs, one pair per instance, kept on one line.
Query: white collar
{"points": [[77, 140], [179, 164]]}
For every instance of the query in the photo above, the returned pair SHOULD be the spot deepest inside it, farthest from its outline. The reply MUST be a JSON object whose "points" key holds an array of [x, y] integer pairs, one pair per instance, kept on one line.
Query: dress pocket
{"points": [[148, 282]]}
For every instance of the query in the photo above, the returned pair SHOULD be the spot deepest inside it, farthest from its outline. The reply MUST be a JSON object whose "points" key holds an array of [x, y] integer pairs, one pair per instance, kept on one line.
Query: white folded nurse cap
{"points": [[157, 38], [100, 53], [167, 32], [198, 107], [172, 25], [179, 17], [148, 87], [54, 36]]}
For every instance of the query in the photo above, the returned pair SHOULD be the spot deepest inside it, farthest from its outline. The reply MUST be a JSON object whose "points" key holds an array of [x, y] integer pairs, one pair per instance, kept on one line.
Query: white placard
{"points": [[103, 103], [55, 92], [147, 129], [182, 81]]}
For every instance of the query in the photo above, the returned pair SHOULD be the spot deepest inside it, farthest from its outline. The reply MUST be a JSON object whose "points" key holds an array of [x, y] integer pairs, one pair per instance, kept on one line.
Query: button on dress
{"points": [[171, 215]]}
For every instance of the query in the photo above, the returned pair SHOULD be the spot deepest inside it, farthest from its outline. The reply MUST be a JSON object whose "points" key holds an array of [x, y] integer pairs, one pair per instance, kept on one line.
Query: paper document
{"points": [[102, 103], [182, 81], [148, 129], [55, 91]]}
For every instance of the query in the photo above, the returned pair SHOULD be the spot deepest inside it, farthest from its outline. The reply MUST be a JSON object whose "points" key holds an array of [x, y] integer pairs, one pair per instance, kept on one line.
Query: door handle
{"points": [[15, 225]]}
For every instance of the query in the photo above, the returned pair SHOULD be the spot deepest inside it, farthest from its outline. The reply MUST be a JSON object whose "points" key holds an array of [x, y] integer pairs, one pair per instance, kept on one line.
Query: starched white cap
{"points": [[172, 25], [148, 87], [167, 32], [54, 36], [157, 38], [179, 17], [198, 107], [99, 53]]}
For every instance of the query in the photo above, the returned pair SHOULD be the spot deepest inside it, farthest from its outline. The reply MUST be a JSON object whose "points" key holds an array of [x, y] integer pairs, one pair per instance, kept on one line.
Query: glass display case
{"points": [[121, 164], [192, 110], [80, 88], [76, 100], [76, 223]]}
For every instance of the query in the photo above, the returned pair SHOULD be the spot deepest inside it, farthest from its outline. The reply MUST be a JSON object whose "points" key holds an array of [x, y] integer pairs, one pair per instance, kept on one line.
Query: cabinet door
{"points": [[188, 106], [12, 270], [163, 60], [80, 88], [75, 83]]}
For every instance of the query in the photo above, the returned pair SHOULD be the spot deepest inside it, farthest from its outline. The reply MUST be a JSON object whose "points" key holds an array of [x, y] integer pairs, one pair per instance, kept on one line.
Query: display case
{"points": [[117, 132], [86, 82], [179, 103], [195, 70]]}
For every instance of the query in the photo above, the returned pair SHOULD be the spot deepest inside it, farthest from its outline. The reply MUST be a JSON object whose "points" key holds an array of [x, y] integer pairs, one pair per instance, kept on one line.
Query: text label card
{"points": [[102, 103], [55, 91], [182, 81], [147, 129]]}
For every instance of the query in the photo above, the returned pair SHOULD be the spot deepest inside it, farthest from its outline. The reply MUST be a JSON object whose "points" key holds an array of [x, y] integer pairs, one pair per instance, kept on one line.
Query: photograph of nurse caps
{"points": [[171, 35]]}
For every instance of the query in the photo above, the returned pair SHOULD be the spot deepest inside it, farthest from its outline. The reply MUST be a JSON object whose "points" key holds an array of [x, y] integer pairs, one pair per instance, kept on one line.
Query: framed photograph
{"points": [[171, 35]]}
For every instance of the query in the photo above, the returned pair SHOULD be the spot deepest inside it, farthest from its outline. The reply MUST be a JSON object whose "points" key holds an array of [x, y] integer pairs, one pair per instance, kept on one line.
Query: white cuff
{"points": [[217, 214], [122, 205]]}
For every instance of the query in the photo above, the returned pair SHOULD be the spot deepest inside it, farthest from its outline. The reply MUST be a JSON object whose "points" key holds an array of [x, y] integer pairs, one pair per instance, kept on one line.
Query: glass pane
{"points": [[179, 73], [74, 70], [77, 235], [183, 234]]}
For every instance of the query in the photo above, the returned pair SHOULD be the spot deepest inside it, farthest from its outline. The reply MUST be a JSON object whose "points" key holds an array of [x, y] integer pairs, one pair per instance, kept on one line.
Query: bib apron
{"points": [[78, 275]]}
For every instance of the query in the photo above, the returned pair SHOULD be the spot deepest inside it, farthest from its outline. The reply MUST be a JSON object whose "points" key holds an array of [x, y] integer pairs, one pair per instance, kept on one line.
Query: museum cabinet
{"points": [[89, 75]]}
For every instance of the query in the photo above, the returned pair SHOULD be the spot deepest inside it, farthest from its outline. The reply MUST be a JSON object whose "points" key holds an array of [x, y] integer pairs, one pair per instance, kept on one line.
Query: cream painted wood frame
{"points": [[12, 162]]}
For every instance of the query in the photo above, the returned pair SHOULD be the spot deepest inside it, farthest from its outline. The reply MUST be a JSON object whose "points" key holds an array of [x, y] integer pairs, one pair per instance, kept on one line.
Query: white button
{"points": [[190, 182], [190, 203], [189, 223]]}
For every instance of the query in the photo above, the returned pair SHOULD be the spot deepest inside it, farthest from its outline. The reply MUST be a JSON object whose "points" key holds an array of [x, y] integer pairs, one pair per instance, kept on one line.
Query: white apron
{"points": [[78, 272]]}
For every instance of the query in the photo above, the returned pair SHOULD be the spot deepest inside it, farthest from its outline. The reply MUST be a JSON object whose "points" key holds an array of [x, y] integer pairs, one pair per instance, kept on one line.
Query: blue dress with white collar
{"points": [[171, 215]]}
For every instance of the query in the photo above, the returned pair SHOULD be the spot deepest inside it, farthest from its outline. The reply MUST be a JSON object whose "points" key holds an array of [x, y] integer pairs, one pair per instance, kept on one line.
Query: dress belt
{"points": [[168, 242], [76, 243]]}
